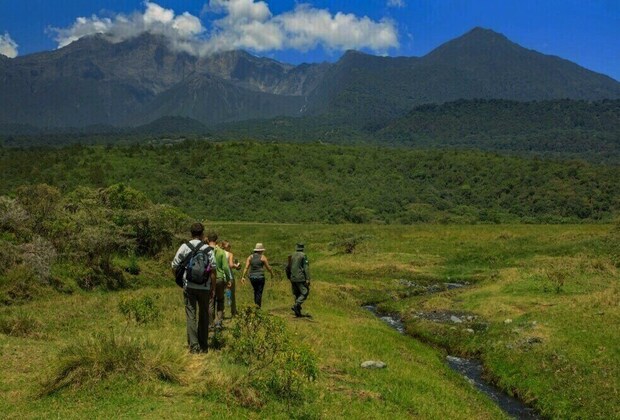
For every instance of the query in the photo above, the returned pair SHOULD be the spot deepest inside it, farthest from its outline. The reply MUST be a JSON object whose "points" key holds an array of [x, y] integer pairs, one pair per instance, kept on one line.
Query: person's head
{"points": [[259, 248], [299, 247], [225, 245], [212, 237], [197, 230]]}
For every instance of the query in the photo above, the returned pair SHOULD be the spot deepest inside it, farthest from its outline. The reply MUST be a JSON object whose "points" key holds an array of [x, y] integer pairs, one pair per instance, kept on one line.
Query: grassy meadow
{"points": [[543, 302]]}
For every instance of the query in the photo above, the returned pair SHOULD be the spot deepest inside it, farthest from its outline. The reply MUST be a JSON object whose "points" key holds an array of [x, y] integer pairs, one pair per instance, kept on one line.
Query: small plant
{"points": [[101, 356], [132, 267], [348, 242], [557, 279], [143, 309]]}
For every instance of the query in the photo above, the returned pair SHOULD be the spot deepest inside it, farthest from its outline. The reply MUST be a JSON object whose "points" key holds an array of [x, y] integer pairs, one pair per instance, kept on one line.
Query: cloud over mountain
{"points": [[8, 47], [241, 24]]}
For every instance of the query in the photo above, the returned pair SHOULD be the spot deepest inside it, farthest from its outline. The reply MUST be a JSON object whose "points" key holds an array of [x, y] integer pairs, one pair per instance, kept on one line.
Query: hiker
{"points": [[193, 257], [298, 272], [223, 276], [232, 263], [256, 264]]}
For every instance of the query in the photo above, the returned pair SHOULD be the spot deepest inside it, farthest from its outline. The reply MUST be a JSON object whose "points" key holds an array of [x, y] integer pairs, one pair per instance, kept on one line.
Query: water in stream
{"points": [[472, 370]]}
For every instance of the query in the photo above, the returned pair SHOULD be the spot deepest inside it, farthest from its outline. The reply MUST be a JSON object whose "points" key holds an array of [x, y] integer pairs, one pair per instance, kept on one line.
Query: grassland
{"points": [[557, 284]]}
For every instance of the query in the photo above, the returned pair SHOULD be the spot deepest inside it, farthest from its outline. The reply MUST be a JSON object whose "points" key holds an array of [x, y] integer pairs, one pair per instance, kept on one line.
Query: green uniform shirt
{"points": [[300, 268]]}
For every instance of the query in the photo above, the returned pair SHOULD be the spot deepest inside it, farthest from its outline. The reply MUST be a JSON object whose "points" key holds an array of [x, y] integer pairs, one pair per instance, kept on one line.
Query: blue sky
{"points": [[584, 31]]}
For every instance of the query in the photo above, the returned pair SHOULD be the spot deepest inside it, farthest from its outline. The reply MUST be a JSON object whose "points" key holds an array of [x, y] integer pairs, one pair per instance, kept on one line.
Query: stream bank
{"points": [[472, 370]]}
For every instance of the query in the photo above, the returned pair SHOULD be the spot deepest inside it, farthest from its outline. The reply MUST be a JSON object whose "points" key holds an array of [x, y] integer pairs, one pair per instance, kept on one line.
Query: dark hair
{"points": [[212, 237], [197, 230]]}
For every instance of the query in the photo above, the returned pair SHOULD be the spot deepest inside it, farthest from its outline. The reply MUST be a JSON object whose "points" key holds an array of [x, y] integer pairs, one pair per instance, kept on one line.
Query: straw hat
{"points": [[259, 247]]}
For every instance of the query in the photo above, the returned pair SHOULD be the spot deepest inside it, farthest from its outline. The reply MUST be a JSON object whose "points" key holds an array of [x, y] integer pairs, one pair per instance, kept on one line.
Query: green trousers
{"points": [[300, 291]]}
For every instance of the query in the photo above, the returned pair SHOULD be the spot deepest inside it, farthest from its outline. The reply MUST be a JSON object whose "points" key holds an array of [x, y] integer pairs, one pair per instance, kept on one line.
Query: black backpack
{"points": [[196, 266]]}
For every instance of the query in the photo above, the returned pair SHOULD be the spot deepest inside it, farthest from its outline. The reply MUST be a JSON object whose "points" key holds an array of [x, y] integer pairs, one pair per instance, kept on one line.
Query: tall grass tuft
{"points": [[100, 356], [21, 324]]}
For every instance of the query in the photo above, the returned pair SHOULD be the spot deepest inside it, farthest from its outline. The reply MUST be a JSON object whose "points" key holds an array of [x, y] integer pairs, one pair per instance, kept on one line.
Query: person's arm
{"points": [[246, 268], [306, 269], [213, 263], [266, 263], [179, 257]]}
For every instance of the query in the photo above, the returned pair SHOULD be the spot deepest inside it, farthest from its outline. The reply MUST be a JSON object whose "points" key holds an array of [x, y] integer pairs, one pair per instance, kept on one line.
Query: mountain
{"points": [[481, 64], [94, 81]]}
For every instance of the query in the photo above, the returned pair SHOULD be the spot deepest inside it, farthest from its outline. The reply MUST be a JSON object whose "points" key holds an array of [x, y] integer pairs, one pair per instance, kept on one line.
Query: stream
{"points": [[472, 370]]}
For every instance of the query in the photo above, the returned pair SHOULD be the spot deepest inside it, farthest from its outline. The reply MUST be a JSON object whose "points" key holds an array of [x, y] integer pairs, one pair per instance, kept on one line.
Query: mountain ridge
{"points": [[94, 81]]}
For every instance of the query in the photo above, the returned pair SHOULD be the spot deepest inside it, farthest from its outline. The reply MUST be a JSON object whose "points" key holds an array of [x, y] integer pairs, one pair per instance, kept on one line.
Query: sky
{"points": [[584, 31]]}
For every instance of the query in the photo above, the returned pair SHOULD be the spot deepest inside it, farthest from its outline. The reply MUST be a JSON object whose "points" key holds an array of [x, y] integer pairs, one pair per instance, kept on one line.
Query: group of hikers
{"points": [[204, 269]]}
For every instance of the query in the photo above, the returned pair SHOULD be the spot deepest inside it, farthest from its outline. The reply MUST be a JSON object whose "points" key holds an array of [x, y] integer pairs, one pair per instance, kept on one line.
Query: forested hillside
{"points": [[325, 183]]}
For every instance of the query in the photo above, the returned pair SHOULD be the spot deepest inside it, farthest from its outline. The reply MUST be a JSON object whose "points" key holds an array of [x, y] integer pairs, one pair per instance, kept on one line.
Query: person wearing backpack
{"points": [[223, 279], [256, 265], [194, 266], [298, 272]]}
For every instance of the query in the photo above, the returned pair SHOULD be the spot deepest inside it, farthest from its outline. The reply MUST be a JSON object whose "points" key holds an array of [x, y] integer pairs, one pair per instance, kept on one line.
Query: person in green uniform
{"points": [[300, 278]]}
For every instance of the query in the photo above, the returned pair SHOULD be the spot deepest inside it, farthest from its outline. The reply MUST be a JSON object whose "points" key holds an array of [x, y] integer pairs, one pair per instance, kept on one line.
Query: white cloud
{"points": [[242, 24], [396, 3], [156, 20], [8, 47]]}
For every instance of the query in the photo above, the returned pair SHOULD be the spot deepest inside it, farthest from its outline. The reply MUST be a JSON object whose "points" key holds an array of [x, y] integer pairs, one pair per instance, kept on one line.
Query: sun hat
{"points": [[299, 246], [259, 247]]}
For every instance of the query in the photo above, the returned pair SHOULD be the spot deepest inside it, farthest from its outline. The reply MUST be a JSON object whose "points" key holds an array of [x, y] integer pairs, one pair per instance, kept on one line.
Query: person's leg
{"points": [[203, 319], [211, 309], [233, 300], [302, 293], [220, 287], [258, 285], [295, 308], [190, 318]]}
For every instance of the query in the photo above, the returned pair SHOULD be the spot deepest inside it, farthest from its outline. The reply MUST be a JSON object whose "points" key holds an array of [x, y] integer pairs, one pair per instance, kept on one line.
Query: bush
{"points": [[348, 242], [261, 342], [141, 309], [41, 202], [18, 285], [101, 356], [39, 255], [9, 256], [13, 217]]}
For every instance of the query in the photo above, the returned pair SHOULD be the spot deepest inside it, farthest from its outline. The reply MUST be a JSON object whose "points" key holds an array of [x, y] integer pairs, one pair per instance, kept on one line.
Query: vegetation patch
{"points": [[102, 355], [21, 324], [143, 309], [262, 343]]}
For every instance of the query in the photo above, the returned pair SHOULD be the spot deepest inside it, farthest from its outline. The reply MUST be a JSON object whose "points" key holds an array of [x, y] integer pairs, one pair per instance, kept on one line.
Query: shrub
{"points": [[141, 309], [41, 202], [13, 217], [101, 356], [19, 284], [132, 267], [21, 324], [39, 255], [9, 256], [261, 342], [348, 242]]}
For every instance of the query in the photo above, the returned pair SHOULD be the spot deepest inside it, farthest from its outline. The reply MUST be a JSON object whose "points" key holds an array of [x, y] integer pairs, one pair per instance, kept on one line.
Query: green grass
{"points": [[558, 284]]}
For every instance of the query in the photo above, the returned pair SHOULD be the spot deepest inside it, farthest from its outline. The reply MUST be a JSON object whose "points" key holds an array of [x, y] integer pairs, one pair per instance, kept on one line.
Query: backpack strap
{"points": [[194, 250]]}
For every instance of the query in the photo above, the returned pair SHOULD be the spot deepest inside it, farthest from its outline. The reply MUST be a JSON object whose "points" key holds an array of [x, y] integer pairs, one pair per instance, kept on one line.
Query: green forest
{"points": [[568, 129], [249, 181]]}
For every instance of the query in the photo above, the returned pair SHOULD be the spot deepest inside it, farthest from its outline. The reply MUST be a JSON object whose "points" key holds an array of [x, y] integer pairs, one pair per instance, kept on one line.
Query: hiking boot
{"points": [[297, 309]]}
